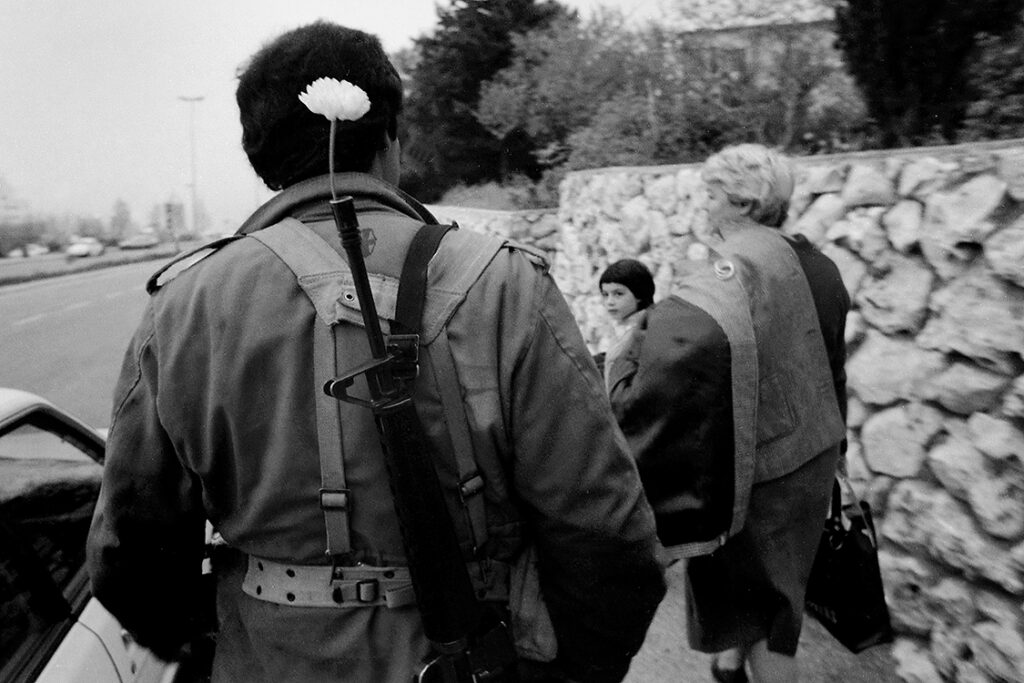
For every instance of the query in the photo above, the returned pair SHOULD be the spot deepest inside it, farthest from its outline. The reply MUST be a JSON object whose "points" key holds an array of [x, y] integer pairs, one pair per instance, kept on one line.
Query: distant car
{"points": [[85, 246], [51, 629], [139, 242], [28, 250]]}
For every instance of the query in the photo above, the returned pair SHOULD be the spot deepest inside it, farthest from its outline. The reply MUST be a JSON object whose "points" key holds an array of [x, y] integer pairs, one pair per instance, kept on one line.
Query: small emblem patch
{"points": [[369, 241]]}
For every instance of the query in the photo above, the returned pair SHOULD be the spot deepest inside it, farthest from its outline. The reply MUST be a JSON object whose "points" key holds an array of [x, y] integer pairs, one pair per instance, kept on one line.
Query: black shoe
{"points": [[728, 675]]}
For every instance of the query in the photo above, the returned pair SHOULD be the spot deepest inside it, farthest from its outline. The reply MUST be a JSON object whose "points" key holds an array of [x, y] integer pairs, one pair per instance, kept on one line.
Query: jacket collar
{"points": [[310, 197]]}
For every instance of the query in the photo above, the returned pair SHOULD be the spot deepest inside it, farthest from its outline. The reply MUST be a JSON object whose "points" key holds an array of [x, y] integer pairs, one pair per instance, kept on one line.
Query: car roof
{"points": [[14, 403]]}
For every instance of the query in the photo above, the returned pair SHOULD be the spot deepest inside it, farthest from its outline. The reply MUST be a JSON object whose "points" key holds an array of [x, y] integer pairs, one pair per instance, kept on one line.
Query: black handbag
{"points": [[845, 592]]}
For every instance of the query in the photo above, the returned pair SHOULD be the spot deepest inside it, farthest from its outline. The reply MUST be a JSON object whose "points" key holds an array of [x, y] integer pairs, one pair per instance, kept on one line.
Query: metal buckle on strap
{"points": [[471, 486], [405, 349], [367, 590], [333, 499]]}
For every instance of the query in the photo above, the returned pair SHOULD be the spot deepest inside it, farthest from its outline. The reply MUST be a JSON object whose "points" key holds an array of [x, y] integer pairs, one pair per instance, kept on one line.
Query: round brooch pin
{"points": [[724, 269]]}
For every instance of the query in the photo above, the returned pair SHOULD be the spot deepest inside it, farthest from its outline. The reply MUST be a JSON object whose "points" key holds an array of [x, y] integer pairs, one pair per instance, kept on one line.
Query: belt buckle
{"points": [[368, 590]]}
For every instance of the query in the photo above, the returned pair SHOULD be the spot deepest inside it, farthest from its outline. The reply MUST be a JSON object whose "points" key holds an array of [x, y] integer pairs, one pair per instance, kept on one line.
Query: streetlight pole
{"points": [[192, 147]]}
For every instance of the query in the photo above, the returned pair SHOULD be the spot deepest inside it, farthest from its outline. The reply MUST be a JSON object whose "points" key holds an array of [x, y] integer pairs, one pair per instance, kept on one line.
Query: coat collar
{"points": [[311, 197]]}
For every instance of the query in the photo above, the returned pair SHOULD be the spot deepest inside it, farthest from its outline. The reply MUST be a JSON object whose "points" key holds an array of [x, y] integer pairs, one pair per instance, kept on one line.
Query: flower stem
{"points": [[330, 158]]}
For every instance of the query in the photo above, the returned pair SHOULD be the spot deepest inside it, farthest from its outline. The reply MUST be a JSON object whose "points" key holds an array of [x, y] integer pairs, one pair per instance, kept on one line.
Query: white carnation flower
{"points": [[335, 99]]}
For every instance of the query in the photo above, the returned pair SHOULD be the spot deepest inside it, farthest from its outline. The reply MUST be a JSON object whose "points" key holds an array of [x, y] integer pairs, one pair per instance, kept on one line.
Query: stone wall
{"points": [[930, 243]]}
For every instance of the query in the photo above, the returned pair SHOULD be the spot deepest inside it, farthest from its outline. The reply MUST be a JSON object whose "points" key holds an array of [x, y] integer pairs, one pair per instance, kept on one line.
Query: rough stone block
{"points": [[957, 223], [898, 300], [980, 316], [661, 193], [964, 388], [819, 217], [906, 580], [883, 370], [1013, 401], [913, 665], [1004, 251], [895, 439], [861, 232], [998, 439], [956, 463], [867, 186], [998, 503], [1010, 167], [998, 651], [902, 224], [924, 176], [821, 179]]}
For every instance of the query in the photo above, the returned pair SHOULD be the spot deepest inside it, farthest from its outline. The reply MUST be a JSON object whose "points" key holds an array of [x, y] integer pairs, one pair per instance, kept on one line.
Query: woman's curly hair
{"points": [[285, 141], [756, 175]]}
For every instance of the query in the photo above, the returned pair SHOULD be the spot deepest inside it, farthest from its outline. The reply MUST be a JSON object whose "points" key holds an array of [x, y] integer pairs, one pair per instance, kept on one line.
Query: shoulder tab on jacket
{"points": [[185, 261], [535, 255]]}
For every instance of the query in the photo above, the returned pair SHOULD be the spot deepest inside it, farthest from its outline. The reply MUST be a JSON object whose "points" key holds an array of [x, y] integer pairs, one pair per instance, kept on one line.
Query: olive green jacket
{"points": [[214, 419]]}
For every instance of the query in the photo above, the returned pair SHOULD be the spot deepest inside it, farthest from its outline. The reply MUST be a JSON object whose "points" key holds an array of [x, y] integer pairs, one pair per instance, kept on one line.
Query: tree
{"points": [[996, 78], [910, 58], [600, 93], [443, 141], [559, 77]]}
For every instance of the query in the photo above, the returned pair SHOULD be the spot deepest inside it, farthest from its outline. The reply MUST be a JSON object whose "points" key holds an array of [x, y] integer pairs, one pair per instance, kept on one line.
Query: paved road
{"points": [[665, 657], [64, 338]]}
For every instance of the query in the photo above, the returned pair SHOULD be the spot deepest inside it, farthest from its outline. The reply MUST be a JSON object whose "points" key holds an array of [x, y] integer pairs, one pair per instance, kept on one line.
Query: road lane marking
{"points": [[75, 306], [30, 319]]}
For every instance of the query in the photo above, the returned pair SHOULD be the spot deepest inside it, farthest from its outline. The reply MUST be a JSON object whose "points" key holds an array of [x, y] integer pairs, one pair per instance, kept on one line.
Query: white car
{"points": [[51, 629], [28, 250], [85, 246]]}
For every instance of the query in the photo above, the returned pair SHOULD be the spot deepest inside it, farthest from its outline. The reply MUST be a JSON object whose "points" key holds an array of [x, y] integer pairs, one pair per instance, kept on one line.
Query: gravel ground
{"points": [[665, 658]]}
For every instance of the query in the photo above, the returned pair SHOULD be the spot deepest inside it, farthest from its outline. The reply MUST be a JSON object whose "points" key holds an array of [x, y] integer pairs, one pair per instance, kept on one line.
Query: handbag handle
{"points": [[837, 505]]}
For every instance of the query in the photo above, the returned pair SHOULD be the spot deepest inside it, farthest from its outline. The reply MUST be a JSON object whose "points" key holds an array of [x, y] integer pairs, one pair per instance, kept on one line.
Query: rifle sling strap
{"points": [[412, 290]]}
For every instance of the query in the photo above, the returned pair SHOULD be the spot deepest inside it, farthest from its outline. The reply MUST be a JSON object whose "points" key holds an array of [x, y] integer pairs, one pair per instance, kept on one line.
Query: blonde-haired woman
{"points": [[734, 403]]}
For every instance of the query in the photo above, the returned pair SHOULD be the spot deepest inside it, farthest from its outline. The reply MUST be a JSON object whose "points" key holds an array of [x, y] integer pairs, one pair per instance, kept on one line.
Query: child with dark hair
{"points": [[627, 289]]}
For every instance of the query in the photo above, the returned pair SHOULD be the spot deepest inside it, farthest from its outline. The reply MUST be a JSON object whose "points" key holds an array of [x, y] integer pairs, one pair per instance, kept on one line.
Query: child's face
{"points": [[618, 300]]}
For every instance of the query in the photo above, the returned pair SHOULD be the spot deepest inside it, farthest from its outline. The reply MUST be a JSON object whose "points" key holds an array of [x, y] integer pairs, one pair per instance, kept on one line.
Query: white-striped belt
{"points": [[359, 586]]}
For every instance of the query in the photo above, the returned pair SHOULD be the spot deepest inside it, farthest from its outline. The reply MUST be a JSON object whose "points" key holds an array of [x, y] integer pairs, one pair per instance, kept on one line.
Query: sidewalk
{"points": [[665, 657]]}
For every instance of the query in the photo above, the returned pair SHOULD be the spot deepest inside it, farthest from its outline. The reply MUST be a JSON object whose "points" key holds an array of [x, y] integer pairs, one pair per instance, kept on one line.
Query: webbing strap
{"points": [[412, 290], [471, 483], [333, 491], [412, 287], [303, 252]]}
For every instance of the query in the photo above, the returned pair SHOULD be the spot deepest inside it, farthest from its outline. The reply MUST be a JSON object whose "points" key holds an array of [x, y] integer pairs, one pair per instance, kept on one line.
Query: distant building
{"points": [[736, 35], [12, 209], [750, 16], [173, 223]]}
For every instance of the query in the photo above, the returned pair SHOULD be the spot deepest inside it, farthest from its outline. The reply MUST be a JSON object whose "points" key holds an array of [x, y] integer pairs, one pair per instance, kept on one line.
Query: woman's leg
{"points": [[728, 664], [771, 667]]}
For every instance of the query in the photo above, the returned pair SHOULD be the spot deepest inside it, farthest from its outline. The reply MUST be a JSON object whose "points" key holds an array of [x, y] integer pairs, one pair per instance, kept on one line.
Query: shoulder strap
{"points": [[412, 285], [408, 320], [296, 247]]}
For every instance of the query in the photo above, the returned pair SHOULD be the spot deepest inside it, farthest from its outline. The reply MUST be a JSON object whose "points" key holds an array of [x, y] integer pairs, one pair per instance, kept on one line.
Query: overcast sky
{"points": [[89, 108]]}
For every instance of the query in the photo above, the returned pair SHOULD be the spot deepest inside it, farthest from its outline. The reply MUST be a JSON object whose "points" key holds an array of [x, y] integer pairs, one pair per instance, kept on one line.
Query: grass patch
{"points": [[29, 271]]}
